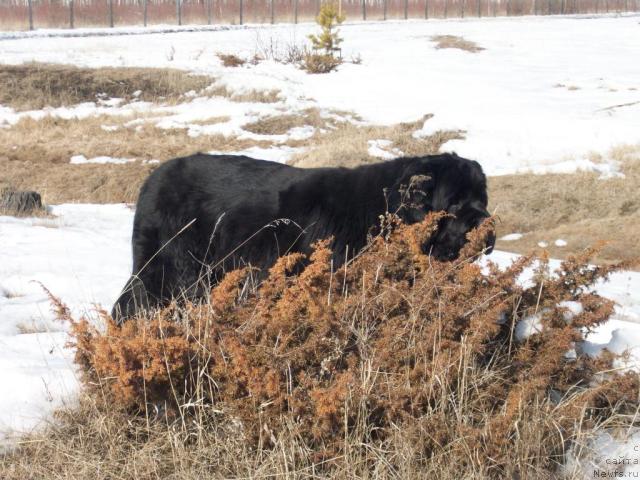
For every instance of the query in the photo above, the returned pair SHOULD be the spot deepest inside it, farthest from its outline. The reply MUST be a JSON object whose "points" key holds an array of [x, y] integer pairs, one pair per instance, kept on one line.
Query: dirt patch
{"points": [[454, 41], [33, 86]]}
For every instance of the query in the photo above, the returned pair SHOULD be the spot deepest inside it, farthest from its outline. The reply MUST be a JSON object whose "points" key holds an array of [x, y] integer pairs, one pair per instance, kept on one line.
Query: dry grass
{"points": [[252, 96], [101, 441], [394, 367], [346, 145], [35, 154], [281, 124], [230, 60], [33, 86], [580, 208], [454, 41]]}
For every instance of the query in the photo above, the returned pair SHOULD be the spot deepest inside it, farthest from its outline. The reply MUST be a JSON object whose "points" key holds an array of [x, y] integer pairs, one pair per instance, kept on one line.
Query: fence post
{"points": [[273, 13], [295, 11], [111, 13], [241, 12], [30, 15], [445, 8], [144, 12], [479, 8], [364, 9], [209, 17], [406, 9], [462, 5], [71, 14], [179, 12], [426, 9], [384, 9]]}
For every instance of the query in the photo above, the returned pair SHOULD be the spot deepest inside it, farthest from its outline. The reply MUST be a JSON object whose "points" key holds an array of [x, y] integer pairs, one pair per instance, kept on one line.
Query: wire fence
{"points": [[31, 14]]}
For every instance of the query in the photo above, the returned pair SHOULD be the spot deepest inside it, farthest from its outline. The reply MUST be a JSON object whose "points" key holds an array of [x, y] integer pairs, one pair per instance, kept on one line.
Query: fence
{"points": [[30, 14]]}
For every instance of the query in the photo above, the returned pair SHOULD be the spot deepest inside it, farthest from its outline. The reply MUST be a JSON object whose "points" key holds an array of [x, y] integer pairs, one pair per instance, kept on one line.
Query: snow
{"points": [[543, 244], [511, 237], [383, 149], [80, 159], [529, 325], [280, 154], [572, 309], [560, 243], [607, 456], [82, 256], [510, 98]]}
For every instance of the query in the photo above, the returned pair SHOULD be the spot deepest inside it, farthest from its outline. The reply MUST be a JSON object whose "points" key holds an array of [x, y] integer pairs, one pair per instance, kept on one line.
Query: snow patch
{"points": [[383, 149], [81, 159], [512, 237], [529, 325]]}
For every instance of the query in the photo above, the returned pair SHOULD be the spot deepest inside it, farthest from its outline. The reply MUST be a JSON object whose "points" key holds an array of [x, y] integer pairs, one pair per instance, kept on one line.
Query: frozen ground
{"points": [[82, 256], [543, 94]]}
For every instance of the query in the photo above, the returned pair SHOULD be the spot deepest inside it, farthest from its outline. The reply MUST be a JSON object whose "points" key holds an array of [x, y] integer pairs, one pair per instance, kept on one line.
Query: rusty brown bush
{"points": [[391, 341]]}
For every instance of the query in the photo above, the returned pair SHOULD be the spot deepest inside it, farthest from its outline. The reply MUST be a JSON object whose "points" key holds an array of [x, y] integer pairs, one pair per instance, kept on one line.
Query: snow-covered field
{"points": [[544, 91], [544, 95]]}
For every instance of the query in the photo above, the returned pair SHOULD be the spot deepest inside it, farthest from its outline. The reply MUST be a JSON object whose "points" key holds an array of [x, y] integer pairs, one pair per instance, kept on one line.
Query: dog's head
{"points": [[444, 183]]}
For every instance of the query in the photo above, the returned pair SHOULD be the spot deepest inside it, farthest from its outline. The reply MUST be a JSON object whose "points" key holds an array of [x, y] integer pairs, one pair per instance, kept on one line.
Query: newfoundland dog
{"points": [[201, 215]]}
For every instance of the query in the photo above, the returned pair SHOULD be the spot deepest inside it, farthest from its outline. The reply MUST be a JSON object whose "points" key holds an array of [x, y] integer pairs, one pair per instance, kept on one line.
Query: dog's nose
{"points": [[491, 241]]}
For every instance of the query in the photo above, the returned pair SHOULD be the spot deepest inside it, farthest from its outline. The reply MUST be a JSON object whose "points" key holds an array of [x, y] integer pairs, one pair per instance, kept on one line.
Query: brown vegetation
{"points": [[230, 60], [281, 124], [346, 144], [33, 86], [320, 63], [454, 41], [580, 208], [253, 96], [35, 154], [395, 364]]}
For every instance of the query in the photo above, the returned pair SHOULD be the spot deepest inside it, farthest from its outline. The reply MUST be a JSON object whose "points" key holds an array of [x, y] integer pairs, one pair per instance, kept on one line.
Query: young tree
{"points": [[328, 39]]}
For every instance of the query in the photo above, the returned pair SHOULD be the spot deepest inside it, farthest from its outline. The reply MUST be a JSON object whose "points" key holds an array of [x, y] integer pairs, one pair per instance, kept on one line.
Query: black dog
{"points": [[202, 215]]}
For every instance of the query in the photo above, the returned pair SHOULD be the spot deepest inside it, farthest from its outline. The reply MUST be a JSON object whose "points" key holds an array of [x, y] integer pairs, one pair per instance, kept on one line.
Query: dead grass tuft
{"points": [[396, 364], [33, 86], [230, 60], [346, 144], [253, 96], [281, 124], [454, 41], [320, 63]]}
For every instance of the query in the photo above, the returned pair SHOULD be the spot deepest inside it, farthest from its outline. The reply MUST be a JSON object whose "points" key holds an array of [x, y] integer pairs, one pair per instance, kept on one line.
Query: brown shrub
{"points": [[230, 60], [393, 340], [320, 63], [454, 41]]}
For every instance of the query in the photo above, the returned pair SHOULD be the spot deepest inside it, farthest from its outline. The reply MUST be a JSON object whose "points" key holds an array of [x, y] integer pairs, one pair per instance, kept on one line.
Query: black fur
{"points": [[202, 215]]}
